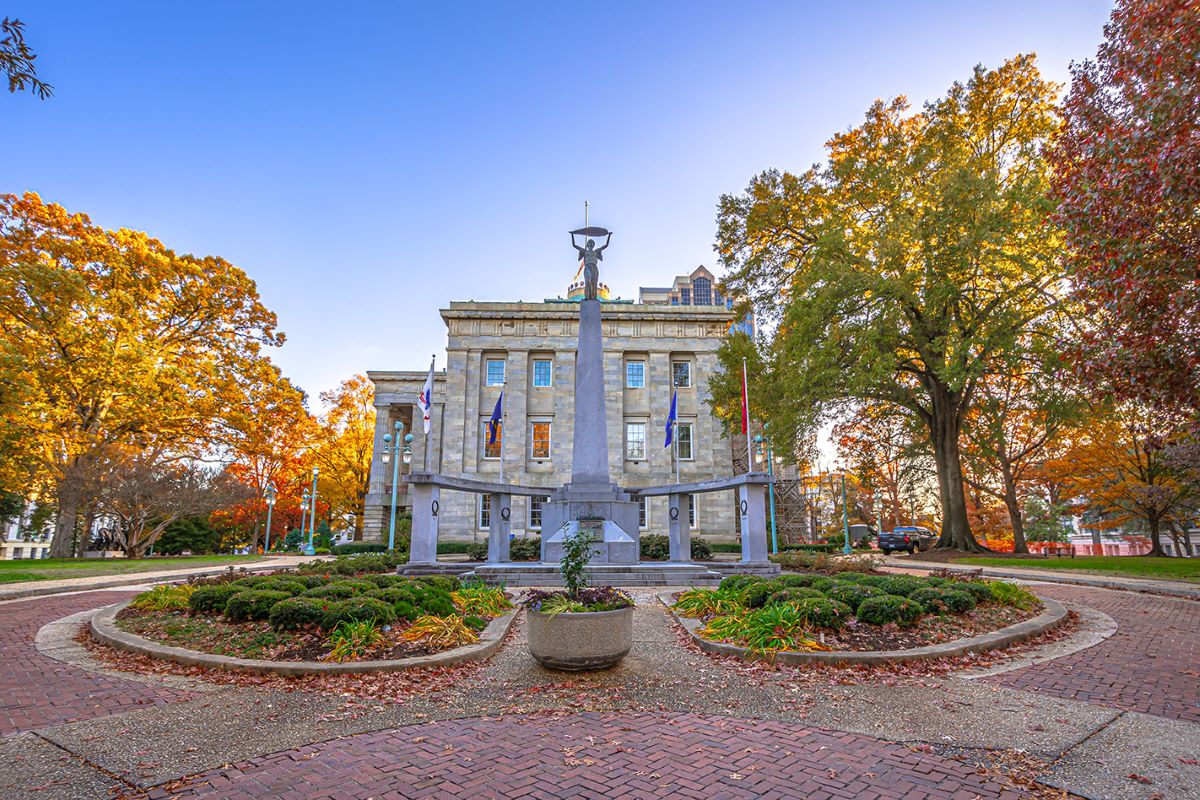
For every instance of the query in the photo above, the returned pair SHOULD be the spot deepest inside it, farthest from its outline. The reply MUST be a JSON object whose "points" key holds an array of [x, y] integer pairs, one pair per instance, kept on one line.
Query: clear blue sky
{"points": [[366, 163]]}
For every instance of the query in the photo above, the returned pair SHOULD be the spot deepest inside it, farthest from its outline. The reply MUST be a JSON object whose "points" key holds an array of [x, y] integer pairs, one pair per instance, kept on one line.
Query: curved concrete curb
{"points": [[1053, 616], [105, 630]]}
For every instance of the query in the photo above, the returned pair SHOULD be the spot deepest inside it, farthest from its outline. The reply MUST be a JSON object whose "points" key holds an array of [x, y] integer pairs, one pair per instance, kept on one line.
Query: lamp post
{"points": [[303, 511], [764, 449], [269, 496], [312, 518], [392, 452]]}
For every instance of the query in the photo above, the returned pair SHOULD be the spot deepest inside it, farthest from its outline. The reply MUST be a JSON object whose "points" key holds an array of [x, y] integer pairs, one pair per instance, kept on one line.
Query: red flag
{"points": [[745, 401]]}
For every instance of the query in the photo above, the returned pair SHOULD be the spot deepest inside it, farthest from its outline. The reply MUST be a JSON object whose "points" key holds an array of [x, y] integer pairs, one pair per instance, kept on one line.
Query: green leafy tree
{"points": [[908, 267], [193, 534]]}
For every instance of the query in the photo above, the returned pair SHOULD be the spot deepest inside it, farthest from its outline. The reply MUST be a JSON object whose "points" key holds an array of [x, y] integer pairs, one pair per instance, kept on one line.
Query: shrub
{"points": [[164, 598], [797, 581], [295, 613], [1010, 594], [320, 551], [388, 581], [441, 632], [370, 564], [476, 624], [453, 548], [332, 591], [254, 580], [792, 594], [283, 585], [811, 548], [980, 590], [821, 612], [655, 547], [311, 581], [851, 577], [724, 547], [529, 549], [821, 583], [353, 640], [878, 581], [958, 602], [852, 594], [357, 609], [930, 599], [757, 594], [701, 550], [739, 582], [443, 582], [478, 551], [902, 585], [253, 604], [889, 608], [358, 547], [359, 585], [212, 599]]}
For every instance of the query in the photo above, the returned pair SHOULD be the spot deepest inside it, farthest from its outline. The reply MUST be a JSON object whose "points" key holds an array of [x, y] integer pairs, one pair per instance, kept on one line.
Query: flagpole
{"points": [[429, 433], [746, 399], [675, 446], [503, 427]]}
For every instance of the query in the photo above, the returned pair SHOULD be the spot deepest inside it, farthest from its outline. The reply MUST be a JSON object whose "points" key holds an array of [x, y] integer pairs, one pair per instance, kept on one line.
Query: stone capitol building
{"points": [[665, 342]]}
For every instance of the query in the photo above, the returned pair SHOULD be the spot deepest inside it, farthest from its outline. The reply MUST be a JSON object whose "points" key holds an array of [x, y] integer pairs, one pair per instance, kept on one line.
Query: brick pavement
{"points": [[598, 756], [37, 691], [1151, 664]]}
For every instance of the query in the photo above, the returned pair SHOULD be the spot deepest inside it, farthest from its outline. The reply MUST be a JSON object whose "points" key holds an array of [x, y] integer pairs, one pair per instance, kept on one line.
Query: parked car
{"points": [[907, 537]]}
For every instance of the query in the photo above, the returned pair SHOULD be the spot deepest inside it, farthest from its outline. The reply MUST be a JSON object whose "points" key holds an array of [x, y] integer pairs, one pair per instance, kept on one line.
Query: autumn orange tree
{"points": [[908, 267], [885, 451], [111, 339], [342, 443]]}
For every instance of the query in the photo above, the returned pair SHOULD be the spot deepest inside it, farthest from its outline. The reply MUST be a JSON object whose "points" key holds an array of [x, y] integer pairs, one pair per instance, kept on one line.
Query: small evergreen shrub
{"points": [[852, 594], [958, 602], [332, 591], [288, 585], [889, 608], [359, 585], [311, 581], [453, 548], [739, 582], [295, 613], [930, 598], [902, 585], [212, 599], [701, 551], [797, 581], [757, 594], [253, 604], [358, 609], [654, 547], [792, 594], [478, 551], [528, 549], [254, 580], [822, 583], [878, 581], [725, 547], [980, 590], [389, 581], [444, 582], [821, 612], [358, 547]]}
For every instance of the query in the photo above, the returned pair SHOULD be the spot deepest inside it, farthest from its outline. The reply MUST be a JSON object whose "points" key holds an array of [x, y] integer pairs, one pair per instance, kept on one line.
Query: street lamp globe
{"points": [[387, 448]]}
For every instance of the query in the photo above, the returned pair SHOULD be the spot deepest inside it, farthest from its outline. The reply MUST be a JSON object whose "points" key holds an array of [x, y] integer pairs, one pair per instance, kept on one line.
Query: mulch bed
{"points": [[256, 639], [930, 629]]}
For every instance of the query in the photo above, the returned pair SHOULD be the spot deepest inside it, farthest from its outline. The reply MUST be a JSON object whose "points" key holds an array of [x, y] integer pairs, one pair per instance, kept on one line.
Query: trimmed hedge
{"points": [[358, 547], [212, 599], [332, 591], [295, 613], [757, 594], [358, 609], [253, 604], [793, 594], [724, 547], [821, 612], [852, 594], [902, 585], [453, 548], [889, 608]]}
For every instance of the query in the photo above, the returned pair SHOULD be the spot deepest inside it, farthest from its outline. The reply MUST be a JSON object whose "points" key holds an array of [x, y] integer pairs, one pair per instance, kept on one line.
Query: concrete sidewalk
{"points": [[21, 591], [1173, 588]]}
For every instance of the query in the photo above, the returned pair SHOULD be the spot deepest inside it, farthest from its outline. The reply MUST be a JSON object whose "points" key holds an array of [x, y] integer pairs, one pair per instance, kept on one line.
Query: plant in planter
{"points": [[579, 628]]}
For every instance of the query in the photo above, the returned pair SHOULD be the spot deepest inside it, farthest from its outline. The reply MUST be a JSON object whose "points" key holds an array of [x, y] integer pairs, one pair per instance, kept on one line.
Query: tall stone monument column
{"points": [[591, 501]]}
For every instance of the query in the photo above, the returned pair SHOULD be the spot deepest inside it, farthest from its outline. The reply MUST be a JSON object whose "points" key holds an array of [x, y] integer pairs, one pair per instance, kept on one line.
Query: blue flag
{"points": [[493, 424], [671, 420]]}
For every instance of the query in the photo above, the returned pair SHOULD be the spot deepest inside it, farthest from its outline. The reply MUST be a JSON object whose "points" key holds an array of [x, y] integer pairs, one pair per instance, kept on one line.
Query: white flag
{"points": [[425, 400]]}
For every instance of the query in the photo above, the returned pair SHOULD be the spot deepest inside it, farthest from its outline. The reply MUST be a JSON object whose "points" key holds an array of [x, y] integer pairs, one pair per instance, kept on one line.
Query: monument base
{"points": [[608, 513]]}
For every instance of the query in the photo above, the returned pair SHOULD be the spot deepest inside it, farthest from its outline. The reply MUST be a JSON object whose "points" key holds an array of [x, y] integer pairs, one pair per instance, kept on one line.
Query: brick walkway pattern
{"points": [[598, 756], [37, 691], [1151, 664]]}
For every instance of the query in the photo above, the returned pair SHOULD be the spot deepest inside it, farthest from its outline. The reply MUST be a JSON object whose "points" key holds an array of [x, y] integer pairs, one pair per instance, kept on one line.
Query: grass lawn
{"points": [[1175, 569], [49, 569]]}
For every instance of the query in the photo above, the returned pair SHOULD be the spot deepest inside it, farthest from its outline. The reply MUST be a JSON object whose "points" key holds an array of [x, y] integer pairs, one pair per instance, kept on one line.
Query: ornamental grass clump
{"points": [[164, 598], [703, 603], [775, 628], [1010, 594], [351, 640], [478, 600], [440, 632]]}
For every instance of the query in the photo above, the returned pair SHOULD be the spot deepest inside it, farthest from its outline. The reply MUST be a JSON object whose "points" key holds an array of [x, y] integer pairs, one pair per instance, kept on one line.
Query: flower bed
{"points": [[852, 611], [343, 615]]}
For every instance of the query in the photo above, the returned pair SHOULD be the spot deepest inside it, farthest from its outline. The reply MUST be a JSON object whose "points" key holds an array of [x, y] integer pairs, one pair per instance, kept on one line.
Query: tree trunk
{"points": [[62, 544], [89, 519], [944, 428], [1155, 534], [1015, 514]]}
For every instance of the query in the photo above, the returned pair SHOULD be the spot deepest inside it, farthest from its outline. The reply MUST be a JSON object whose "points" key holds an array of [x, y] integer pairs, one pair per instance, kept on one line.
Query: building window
{"points": [[491, 450], [643, 512], [495, 372], [535, 512], [539, 440], [685, 297], [681, 374], [485, 511], [635, 374], [684, 431], [635, 441], [693, 513], [542, 371], [702, 292]]}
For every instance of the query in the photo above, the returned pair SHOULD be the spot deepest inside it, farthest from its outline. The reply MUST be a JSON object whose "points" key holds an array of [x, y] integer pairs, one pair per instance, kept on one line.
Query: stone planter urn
{"points": [[580, 640]]}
